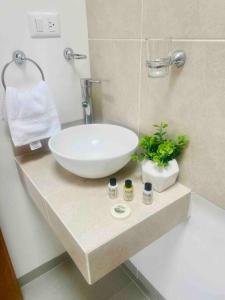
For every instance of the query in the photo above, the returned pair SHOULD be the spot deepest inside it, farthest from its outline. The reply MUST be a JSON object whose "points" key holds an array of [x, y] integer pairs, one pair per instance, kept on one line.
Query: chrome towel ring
{"points": [[19, 58]]}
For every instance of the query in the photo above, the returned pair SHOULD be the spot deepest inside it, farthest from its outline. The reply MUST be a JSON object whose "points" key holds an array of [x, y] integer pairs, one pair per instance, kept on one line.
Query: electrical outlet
{"points": [[51, 26], [44, 24]]}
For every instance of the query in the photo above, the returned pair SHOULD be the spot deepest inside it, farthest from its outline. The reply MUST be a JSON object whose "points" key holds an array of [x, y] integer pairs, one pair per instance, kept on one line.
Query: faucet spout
{"points": [[87, 109], [86, 84]]}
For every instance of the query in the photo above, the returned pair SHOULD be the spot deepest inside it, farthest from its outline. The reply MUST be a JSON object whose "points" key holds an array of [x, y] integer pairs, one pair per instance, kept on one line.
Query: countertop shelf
{"points": [[78, 211]]}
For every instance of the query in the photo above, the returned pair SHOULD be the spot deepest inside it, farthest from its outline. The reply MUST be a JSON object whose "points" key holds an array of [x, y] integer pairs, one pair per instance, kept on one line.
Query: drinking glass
{"points": [[158, 57]]}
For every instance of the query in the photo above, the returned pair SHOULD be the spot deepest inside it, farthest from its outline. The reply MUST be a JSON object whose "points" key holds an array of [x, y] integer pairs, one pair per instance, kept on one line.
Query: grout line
{"points": [[140, 70], [173, 39], [198, 40], [127, 272]]}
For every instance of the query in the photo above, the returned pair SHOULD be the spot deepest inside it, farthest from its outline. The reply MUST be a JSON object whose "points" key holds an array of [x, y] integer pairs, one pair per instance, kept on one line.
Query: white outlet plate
{"points": [[44, 24]]}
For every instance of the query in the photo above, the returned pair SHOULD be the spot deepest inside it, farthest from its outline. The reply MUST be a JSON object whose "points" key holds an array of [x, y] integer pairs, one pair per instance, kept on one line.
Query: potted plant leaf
{"points": [[157, 154]]}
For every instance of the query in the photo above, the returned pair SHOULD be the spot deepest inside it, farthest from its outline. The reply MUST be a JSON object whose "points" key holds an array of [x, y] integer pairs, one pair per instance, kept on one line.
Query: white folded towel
{"points": [[31, 115]]}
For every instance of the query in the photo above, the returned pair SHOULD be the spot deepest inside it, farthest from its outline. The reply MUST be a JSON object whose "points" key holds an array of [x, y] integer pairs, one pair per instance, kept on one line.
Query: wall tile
{"points": [[184, 19], [116, 63], [114, 19], [192, 101]]}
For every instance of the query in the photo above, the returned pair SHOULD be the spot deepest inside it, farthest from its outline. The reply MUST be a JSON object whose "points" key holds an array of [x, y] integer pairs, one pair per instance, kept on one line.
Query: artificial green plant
{"points": [[159, 148]]}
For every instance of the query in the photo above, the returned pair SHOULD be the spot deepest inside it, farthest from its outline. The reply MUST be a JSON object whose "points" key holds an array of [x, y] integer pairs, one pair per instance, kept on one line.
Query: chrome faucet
{"points": [[86, 84]]}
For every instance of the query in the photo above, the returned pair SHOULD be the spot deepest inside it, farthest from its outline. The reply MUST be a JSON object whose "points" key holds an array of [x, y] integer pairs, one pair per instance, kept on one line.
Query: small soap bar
{"points": [[120, 211]]}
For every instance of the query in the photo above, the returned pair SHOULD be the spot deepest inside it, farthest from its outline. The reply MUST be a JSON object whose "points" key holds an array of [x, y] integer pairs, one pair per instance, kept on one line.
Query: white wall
{"points": [[28, 238]]}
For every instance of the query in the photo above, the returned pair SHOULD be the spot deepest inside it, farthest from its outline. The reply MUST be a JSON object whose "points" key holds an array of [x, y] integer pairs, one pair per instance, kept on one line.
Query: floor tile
{"points": [[66, 283], [130, 292]]}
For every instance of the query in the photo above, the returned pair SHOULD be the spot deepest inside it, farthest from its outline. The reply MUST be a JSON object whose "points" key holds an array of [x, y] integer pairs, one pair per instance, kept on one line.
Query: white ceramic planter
{"points": [[161, 178]]}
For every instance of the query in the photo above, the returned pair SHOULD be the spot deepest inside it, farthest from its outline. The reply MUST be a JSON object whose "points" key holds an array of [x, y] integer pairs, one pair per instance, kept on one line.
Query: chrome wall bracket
{"points": [[160, 56], [178, 58], [69, 54], [159, 67], [18, 57]]}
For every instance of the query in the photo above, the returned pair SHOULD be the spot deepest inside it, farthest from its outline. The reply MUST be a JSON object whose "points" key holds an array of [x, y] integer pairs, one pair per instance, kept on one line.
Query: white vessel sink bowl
{"points": [[95, 150]]}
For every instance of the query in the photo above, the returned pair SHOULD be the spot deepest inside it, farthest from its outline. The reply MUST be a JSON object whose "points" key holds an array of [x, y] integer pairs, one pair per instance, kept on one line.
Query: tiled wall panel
{"points": [[191, 99]]}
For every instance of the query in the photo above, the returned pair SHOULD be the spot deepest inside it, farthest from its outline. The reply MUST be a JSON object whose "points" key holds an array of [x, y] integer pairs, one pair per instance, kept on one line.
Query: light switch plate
{"points": [[44, 24]]}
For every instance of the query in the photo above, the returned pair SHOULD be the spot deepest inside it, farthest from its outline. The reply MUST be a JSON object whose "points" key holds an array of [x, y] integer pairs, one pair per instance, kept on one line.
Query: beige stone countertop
{"points": [[78, 211]]}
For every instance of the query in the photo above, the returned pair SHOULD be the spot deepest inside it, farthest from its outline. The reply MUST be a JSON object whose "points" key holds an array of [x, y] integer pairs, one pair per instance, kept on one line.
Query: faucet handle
{"points": [[88, 81], [94, 81]]}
